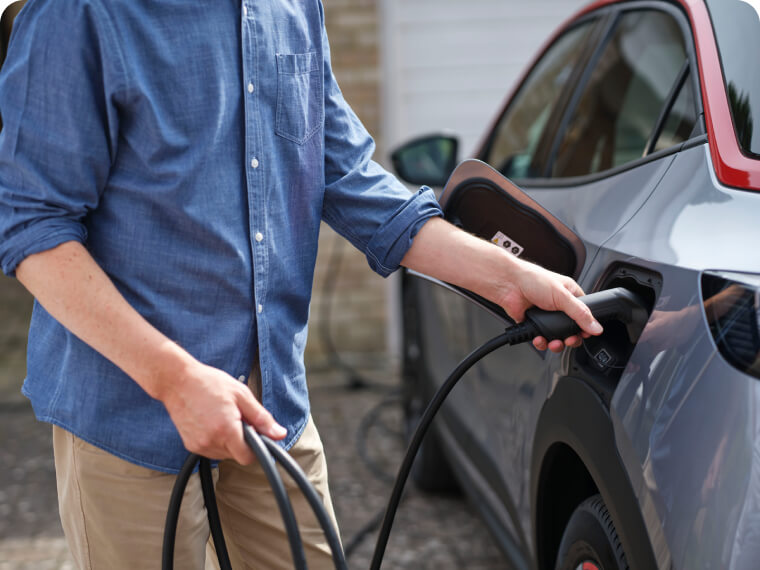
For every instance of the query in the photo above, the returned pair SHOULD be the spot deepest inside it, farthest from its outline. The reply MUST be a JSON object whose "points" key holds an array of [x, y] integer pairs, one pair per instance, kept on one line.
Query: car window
{"points": [[624, 95], [516, 136], [737, 30], [681, 119]]}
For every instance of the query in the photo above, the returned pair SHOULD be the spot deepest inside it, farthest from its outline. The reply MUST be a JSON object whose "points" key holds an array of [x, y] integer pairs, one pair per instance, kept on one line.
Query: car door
{"points": [[450, 325], [629, 114], [589, 144]]}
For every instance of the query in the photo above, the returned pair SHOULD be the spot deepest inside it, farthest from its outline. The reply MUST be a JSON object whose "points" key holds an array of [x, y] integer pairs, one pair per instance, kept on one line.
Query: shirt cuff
{"points": [[393, 239], [41, 236]]}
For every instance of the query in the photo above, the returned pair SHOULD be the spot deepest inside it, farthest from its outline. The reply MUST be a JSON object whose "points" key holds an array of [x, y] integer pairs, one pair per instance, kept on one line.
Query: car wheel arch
{"points": [[574, 457]]}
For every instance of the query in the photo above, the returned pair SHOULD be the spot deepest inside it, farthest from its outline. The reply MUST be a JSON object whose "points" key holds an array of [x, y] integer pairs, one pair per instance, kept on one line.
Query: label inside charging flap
{"points": [[507, 243]]}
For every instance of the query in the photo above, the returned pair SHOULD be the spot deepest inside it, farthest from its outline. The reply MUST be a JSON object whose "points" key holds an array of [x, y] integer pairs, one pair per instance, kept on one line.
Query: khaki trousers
{"points": [[113, 511]]}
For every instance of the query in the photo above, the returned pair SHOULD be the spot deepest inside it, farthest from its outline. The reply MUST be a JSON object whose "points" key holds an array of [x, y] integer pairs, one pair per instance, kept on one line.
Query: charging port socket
{"points": [[600, 361]]}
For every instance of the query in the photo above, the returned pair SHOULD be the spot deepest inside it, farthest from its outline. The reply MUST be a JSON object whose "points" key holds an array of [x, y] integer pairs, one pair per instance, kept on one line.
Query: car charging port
{"points": [[600, 361]]}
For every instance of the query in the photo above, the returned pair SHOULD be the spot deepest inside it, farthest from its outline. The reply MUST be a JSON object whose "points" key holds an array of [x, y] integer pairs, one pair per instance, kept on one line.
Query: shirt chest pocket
{"points": [[300, 105]]}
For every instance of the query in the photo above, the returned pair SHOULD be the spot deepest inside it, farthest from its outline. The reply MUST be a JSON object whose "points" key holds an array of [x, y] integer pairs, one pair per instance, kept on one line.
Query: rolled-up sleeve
{"points": [[363, 202], [59, 126]]}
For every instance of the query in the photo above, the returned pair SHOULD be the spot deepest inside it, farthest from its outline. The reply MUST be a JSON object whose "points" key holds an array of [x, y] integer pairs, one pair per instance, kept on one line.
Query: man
{"points": [[164, 167]]}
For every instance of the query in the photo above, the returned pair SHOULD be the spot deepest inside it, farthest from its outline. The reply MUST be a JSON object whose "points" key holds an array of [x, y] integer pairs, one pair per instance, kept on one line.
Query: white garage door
{"points": [[448, 64]]}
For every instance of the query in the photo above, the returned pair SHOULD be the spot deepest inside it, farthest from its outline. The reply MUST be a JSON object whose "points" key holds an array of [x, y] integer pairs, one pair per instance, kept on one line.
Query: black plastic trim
{"points": [[577, 90], [485, 304], [670, 100], [568, 261], [575, 416], [556, 120]]}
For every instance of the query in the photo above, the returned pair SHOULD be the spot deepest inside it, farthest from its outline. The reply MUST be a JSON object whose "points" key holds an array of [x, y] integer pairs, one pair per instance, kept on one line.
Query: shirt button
{"points": [[250, 88], [245, 11], [259, 236], [260, 308], [241, 378], [254, 162]]}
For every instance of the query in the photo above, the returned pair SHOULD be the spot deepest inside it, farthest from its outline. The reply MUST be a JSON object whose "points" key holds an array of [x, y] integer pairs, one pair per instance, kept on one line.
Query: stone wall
{"points": [[358, 315]]}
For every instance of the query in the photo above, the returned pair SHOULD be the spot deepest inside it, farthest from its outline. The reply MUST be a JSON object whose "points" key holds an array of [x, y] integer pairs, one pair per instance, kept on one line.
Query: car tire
{"points": [[590, 541]]}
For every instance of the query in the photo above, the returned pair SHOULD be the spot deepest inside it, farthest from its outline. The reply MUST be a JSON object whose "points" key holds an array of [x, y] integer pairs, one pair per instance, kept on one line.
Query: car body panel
{"points": [[671, 438], [597, 210], [667, 226], [666, 441], [492, 410], [695, 463]]}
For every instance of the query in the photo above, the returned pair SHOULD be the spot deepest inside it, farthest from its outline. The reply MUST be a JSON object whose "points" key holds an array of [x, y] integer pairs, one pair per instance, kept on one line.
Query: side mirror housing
{"points": [[427, 160]]}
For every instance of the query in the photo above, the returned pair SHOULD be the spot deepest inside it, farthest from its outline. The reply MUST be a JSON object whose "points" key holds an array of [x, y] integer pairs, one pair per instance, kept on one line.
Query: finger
{"points": [[238, 448], [581, 314], [573, 341], [259, 418], [574, 288], [517, 314], [556, 346]]}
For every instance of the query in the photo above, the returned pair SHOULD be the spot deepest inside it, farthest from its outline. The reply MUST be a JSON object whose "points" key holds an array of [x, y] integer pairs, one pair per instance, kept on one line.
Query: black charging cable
{"points": [[256, 443], [175, 501], [266, 451], [612, 304], [514, 335], [312, 497]]}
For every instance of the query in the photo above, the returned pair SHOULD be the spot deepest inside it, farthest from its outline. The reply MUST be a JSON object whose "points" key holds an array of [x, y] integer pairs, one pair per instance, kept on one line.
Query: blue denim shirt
{"points": [[193, 147]]}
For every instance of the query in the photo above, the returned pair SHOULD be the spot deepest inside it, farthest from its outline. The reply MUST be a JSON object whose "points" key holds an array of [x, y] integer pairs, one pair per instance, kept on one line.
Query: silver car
{"points": [[631, 139]]}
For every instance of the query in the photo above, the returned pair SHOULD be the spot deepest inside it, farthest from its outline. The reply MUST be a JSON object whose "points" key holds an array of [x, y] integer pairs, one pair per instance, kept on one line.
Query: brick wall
{"points": [[353, 29], [358, 315]]}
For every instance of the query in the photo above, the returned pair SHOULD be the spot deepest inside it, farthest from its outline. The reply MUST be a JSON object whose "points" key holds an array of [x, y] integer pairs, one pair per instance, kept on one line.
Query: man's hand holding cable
{"points": [[207, 407], [452, 255], [534, 285], [205, 404]]}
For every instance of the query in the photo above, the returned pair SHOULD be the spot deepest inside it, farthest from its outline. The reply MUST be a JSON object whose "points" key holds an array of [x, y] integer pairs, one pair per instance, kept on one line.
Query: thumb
{"points": [[517, 312], [259, 417]]}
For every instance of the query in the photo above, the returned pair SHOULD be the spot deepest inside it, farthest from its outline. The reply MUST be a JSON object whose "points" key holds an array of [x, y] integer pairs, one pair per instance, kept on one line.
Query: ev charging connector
{"points": [[618, 304]]}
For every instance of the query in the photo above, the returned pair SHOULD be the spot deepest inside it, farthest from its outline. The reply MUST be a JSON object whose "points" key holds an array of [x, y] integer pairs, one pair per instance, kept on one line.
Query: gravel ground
{"points": [[430, 531]]}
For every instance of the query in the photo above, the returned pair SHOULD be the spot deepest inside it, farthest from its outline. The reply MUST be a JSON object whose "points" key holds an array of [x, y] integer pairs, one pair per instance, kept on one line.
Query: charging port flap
{"points": [[481, 201]]}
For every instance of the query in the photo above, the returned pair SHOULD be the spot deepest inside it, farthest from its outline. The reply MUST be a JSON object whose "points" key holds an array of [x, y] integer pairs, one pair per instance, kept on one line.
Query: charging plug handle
{"points": [[617, 304]]}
